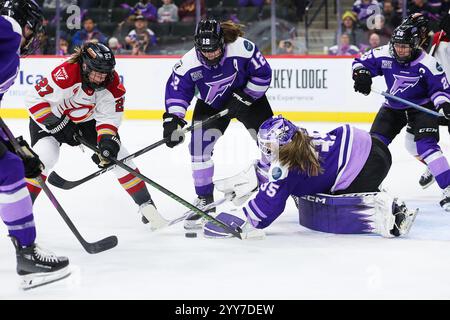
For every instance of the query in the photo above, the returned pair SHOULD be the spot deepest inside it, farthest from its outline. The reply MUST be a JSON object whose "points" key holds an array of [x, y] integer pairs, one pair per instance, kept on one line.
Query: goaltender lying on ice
{"points": [[334, 179]]}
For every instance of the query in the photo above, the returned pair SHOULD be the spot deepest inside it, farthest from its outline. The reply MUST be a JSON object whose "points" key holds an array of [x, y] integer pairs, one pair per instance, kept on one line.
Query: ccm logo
{"points": [[428, 130]]}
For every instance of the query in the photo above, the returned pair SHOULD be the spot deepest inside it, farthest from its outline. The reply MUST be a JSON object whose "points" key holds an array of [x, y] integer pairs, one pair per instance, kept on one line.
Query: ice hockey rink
{"points": [[290, 263]]}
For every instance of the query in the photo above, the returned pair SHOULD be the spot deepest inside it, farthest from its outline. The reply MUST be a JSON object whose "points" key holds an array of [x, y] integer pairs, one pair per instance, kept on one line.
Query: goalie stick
{"points": [[59, 182], [91, 247], [236, 233]]}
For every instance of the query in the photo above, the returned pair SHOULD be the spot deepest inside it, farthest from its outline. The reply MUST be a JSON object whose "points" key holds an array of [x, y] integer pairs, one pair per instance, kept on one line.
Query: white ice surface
{"points": [[291, 263]]}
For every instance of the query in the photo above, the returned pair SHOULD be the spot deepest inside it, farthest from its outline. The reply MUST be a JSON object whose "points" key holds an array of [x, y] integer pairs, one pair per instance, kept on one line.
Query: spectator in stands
{"points": [[364, 9], [88, 33], [63, 49], [288, 47], [379, 28], [343, 48], [391, 18], [357, 36], [141, 39], [253, 3], [143, 8], [186, 10], [422, 7], [168, 12], [116, 47]]}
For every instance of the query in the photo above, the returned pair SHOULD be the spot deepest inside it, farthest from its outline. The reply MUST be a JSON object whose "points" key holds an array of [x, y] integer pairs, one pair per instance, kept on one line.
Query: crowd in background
{"points": [[368, 24]]}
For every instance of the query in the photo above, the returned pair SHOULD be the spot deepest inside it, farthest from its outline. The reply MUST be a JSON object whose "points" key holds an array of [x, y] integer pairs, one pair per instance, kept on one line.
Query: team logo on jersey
{"points": [[439, 67], [277, 173], [403, 83], [196, 75], [386, 64], [248, 45], [177, 65], [61, 74], [76, 111], [218, 88]]}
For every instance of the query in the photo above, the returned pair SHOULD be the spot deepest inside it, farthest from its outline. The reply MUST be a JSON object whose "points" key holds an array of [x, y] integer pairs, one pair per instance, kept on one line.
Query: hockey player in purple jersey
{"points": [[336, 177], [413, 75], [20, 21], [229, 72]]}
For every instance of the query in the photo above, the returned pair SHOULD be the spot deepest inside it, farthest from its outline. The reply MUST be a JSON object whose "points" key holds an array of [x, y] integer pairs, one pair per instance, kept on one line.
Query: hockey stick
{"points": [[90, 247], [59, 182], [205, 208], [408, 103], [169, 193], [434, 48]]}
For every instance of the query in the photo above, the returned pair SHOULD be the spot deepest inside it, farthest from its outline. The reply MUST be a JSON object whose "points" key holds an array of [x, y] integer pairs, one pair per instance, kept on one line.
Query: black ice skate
{"points": [[426, 179], [445, 202], [404, 218], [38, 267], [195, 221]]}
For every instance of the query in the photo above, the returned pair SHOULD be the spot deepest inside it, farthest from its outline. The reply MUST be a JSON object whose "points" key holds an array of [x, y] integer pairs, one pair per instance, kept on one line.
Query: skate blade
{"points": [[35, 280]]}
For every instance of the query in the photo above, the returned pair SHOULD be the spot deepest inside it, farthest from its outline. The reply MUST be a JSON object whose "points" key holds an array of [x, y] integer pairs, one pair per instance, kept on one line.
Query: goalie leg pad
{"points": [[359, 213]]}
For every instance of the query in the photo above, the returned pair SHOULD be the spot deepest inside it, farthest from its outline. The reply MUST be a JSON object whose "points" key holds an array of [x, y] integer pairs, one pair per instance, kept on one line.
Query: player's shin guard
{"points": [[15, 203], [203, 172], [358, 213]]}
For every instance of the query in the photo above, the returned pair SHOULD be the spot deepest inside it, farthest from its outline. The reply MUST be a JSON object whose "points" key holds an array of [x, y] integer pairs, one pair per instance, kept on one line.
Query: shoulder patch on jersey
{"points": [[66, 75], [248, 45], [439, 67], [277, 171]]}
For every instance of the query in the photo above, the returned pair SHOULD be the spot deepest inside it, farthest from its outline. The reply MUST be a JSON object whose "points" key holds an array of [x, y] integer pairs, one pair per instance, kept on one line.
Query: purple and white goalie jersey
{"points": [[342, 154], [421, 81], [10, 38], [243, 66]]}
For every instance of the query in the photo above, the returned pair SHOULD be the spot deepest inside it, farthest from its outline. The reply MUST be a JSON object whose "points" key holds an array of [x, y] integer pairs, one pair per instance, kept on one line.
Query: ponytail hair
{"points": [[231, 31], [300, 154], [78, 51]]}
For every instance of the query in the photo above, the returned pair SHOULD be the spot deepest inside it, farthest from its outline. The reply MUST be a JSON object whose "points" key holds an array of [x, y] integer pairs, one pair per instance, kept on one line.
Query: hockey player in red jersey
{"points": [[84, 96]]}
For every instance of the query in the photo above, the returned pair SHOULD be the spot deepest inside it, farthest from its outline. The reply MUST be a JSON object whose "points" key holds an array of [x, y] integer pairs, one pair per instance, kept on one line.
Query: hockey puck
{"points": [[190, 235]]}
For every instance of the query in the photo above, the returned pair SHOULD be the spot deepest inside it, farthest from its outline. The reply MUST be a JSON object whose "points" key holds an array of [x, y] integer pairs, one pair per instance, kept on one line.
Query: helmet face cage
{"points": [[405, 34], [209, 38], [26, 13], [99, 58], [273, 134]]}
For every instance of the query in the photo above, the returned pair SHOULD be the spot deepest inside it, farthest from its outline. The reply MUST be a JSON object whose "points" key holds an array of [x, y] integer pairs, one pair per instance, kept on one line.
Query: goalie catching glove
{"points": [[109, 147]]}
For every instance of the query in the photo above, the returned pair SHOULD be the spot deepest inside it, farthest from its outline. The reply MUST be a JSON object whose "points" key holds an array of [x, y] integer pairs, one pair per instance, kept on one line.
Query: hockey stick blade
{"points": [[101, 245], [56, 180]]}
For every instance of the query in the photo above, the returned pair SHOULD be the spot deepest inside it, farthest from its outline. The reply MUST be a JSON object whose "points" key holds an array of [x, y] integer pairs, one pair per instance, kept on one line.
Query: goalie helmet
{"points": [[422, 24], [274, 133], [28, 14], [209, 38]]}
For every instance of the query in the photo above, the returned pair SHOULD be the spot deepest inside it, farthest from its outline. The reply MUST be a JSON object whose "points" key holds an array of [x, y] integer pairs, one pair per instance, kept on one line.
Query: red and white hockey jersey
{"points": [[441, 49], [61, 93]]}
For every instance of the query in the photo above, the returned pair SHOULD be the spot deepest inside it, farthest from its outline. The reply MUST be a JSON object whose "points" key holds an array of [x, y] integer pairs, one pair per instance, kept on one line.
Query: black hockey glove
{"points": [[65, 131], [31, 162], [363, 80], [445, 24], [239, 104], [172, 128], [109, 147], [444, 108]]}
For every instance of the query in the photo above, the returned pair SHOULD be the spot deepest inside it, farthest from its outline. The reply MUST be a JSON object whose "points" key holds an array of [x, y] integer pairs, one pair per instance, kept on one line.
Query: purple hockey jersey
{"points": [[10, 37], [342, 153], [243, 66], [421, 81]]}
